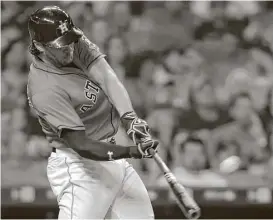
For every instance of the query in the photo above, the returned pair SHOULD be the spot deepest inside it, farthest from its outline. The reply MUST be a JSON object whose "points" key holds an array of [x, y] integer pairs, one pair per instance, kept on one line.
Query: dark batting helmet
{"points": [[52, 27]]}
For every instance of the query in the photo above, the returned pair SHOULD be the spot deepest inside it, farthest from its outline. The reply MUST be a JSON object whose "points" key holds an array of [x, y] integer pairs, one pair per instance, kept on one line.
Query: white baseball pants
{"points": [[88, 189]]}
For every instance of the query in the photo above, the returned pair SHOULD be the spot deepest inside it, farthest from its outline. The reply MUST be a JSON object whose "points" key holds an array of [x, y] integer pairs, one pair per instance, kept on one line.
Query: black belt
{"points": [[54, 149]]}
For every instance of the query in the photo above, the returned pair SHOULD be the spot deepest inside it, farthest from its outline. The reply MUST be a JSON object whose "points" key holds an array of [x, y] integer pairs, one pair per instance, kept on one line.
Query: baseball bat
{"points": [[185, 202]]}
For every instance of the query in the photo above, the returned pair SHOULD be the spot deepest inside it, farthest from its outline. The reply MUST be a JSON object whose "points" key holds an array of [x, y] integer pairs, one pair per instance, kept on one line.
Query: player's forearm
{"points": [[105, 76], [100, 151], [118, 95], [97, 150]]}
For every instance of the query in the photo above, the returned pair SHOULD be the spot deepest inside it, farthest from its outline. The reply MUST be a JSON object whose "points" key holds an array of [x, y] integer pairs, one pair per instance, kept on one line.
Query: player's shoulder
{"points": [[38, 77], [39, 80], [84, 43], [43, 95], [87, 52]]}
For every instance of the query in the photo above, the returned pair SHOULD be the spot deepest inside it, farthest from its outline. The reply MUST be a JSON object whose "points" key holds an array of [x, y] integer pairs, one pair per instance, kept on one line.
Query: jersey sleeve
{"points": [[87, 52], [55, 107]]}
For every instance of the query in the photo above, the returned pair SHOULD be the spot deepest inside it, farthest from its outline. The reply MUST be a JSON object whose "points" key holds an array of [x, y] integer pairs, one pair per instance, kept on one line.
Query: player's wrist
{"points": [[127, 118], [134, 152], [132, 112]]}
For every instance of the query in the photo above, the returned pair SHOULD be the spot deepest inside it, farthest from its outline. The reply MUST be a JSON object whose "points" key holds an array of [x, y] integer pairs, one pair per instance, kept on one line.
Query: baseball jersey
{"points": [[66, 98]]}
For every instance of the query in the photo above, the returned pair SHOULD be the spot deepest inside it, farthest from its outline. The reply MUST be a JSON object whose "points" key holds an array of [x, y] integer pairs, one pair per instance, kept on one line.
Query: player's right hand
{"points": [[142, 149]]}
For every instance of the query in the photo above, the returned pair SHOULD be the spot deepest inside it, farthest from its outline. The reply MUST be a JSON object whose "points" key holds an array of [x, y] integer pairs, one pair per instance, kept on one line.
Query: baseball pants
{"points": [[88, 189]]}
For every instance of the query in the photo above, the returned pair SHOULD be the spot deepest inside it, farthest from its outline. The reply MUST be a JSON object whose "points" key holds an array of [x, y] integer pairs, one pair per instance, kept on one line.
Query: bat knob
{"points": [[194, 213], [152, 151]]}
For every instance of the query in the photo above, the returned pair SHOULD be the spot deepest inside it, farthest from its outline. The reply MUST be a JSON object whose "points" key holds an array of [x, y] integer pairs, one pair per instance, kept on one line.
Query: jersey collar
{"points": [[39, 64]]}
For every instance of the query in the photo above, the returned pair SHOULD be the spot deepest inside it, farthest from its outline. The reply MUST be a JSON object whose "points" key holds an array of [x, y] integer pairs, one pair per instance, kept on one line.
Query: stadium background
{"points": [[201, 69]]}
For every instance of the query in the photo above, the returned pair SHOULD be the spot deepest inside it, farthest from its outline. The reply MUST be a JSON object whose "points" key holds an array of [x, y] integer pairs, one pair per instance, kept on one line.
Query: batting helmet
{"points": [[52, 27]]}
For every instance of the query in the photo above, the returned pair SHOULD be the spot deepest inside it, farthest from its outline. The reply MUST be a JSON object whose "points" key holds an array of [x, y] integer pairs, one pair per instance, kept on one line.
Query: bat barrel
{"points": [[185, 202]]}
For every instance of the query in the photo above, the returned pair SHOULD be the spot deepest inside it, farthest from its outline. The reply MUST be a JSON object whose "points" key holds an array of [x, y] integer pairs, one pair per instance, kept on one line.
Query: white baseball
{"points": [[230, 164]]}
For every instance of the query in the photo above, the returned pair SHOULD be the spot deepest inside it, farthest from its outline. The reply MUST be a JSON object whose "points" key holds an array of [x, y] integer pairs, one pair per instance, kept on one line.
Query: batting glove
{"points": [[136, 128], [142, 150]]}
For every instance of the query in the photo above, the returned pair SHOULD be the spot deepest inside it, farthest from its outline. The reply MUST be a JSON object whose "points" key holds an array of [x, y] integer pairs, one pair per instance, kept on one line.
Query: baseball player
{"points": [[80, 103]]}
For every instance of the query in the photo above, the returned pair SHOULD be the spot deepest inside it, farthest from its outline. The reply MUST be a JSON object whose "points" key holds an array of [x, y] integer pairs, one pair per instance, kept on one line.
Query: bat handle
{"points": [[158, 160]]}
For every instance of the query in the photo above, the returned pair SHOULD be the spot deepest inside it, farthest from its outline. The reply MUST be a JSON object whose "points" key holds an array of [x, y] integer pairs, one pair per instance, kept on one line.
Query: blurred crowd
{"points": [[200, 73]]}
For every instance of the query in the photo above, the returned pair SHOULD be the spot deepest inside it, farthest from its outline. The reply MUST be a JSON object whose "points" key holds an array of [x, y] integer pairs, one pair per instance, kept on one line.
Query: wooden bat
{"points": [[185, 202]]}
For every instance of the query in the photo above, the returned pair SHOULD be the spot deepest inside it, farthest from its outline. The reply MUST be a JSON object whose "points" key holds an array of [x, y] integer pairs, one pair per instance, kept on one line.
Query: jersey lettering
{"points": [[85, 108], [91, 91], [89, 85], [91, 96]]}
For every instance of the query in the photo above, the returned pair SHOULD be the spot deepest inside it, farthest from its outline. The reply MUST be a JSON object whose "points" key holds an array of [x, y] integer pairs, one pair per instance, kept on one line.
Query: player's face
{"points": [[62, 56]]}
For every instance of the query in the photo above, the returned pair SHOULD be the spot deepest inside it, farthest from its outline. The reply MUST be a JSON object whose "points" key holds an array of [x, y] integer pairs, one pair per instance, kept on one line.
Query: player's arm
{"points": [[92, 61], [99, 70], [97, 150], [137, 129], [102, 72], [55, 107]]}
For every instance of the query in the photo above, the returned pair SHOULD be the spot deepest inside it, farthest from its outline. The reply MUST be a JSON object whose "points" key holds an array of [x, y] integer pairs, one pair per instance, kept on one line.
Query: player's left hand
{"points": [[146, 145], [142, 149]]}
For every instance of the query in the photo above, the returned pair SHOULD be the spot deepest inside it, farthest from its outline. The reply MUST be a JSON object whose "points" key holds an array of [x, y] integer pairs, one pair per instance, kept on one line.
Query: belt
{"points": [[112, 140]]}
